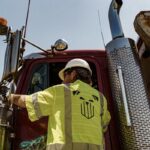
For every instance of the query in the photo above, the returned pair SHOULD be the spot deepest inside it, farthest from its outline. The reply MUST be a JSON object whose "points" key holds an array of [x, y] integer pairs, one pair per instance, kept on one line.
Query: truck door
{"points": [[38, 75]]}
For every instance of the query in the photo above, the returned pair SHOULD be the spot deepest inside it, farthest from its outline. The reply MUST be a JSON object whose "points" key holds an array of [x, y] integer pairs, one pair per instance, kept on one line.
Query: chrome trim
{"points": [[124, 95], [114, 20]]}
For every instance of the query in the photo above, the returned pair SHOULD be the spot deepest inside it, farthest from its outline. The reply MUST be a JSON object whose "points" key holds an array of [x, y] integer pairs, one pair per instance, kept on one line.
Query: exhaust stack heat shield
{"points": [[134, 114]]}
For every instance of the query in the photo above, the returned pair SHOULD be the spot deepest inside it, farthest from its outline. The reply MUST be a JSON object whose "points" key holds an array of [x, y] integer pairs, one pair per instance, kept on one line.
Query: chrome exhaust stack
{"points": [[128, 88], [114, 20]]}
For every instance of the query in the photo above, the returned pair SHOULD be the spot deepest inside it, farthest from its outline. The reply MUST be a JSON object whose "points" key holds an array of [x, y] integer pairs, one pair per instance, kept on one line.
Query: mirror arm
{"points": [[35, 45]]}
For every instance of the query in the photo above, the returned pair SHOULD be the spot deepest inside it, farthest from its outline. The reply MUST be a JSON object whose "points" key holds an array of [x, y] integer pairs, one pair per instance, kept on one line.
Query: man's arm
{"points": [[105, 115], [18, 100]]}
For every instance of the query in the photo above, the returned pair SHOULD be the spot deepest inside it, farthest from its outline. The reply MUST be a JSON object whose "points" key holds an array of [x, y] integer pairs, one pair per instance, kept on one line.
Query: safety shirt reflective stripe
{"points": [[36, 106], [68, 116], [74, 146], [101, 103]]}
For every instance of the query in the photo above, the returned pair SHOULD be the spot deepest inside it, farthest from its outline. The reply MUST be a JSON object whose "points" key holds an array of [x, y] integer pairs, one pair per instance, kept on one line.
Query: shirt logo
{"points": [[87, 105]]}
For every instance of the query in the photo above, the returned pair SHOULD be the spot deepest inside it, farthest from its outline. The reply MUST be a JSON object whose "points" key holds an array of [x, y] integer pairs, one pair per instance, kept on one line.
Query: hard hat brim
{"points": [[61, 74]]}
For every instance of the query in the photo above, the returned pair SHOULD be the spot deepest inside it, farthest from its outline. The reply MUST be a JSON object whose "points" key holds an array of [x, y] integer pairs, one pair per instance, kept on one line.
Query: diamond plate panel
{"points": [[136, 136]]}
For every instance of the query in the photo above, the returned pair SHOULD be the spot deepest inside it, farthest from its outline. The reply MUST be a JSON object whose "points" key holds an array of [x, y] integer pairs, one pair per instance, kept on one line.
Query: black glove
{"points": [[4, 91]]}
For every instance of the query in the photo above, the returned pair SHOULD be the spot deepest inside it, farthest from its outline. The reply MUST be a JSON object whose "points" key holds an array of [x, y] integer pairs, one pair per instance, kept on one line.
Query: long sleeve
{"points": [[40, 104]]}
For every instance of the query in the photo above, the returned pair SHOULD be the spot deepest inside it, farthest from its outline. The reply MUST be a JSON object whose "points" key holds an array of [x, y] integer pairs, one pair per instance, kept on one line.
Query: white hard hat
{"points": [[77, 62]]}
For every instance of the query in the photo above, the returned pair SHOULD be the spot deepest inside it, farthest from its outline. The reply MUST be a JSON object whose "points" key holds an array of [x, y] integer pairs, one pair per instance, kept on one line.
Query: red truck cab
{"points": [[40, 71]]}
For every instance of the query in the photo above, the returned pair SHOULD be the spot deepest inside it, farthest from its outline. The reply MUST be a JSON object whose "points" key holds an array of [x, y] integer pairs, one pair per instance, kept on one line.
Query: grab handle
{"points": [[124, 95]]}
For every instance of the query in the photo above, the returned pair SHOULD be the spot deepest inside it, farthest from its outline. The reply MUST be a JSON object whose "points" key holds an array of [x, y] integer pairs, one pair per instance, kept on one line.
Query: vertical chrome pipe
{"points": [[124, 97], [114, 20]]}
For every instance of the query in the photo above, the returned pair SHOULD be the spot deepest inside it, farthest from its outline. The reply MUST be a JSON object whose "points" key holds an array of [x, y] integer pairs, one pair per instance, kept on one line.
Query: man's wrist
{"points": [[10, 98]]}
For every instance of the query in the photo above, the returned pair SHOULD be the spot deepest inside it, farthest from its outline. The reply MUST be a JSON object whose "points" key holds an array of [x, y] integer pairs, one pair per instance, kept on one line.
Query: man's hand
{"points": [[5, 91]]}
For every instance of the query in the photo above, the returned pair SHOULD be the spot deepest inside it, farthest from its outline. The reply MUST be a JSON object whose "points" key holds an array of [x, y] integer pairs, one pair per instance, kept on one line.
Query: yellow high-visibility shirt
{"points": [[77, 113]]}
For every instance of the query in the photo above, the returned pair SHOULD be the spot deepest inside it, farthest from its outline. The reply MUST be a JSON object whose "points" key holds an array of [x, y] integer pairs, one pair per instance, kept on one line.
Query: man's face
{"points": [[69, 77]]}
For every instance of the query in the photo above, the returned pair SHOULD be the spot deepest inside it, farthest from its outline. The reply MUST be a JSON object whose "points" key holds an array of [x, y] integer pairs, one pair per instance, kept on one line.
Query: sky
{"points": [[76, 21]]}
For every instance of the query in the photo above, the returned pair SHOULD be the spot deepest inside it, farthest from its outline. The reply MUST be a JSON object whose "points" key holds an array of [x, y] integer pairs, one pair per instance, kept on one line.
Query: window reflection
{"points": [[46, 74], [39, 79]]}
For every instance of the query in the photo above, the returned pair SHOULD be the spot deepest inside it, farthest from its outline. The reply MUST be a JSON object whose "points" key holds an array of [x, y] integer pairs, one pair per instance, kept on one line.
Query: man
{"points": [[78, 114]]}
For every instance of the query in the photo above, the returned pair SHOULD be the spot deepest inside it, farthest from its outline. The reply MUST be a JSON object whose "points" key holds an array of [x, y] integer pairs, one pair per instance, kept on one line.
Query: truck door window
{"points": [[54, 69], [39, 79], [46, 74], [94, 75]]}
